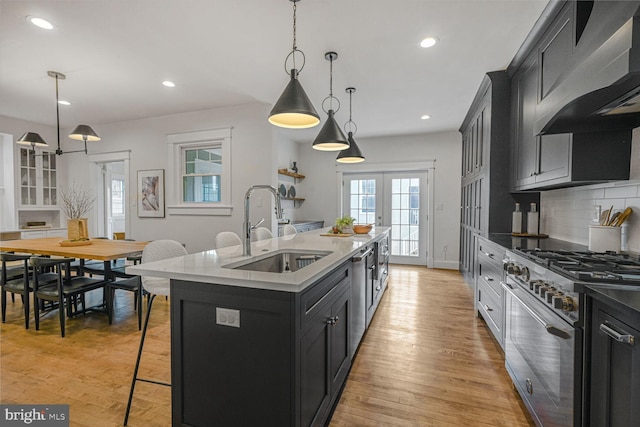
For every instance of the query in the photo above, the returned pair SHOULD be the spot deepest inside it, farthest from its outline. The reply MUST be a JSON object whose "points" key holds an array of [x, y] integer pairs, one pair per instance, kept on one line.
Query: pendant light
{"points": [[331, 137], [353, 153], [81, 132], [293, 109], [33, 139]]}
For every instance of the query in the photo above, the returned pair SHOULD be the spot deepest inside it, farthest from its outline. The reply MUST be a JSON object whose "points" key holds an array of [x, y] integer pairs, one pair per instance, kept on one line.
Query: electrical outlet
{"points": [[597, 211], [228, 317]]}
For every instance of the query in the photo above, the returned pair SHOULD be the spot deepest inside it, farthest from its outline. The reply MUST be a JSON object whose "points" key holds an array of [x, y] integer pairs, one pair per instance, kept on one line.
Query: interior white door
{"points": [[112, 216], [394, 199]]}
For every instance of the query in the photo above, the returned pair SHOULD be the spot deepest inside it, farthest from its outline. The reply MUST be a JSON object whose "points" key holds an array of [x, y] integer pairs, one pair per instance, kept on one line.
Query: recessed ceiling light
{"points": [[168, 83], [41, 23], [429, 41], [63, 102], [425, 117]]}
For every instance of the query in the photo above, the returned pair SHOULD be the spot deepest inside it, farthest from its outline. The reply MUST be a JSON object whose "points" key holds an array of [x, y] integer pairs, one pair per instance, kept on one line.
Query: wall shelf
{"points": [[291, 174]]}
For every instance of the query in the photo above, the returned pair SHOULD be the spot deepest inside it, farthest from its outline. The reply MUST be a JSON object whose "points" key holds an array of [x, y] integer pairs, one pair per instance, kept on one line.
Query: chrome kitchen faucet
{"points": [[246, 225]]}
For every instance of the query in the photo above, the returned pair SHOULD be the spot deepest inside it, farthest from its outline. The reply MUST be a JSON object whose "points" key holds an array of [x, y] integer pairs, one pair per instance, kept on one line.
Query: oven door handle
{"points": [[553, 330], [623, 337]]}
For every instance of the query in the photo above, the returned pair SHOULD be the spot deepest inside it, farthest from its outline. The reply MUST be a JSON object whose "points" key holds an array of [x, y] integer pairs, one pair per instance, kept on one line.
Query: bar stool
{"points": [[154, 251]]}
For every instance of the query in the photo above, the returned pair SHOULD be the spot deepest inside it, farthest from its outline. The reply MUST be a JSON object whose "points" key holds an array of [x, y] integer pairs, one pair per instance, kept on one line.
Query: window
{"points": [[202, 170], [117, 197], [200, 173]]}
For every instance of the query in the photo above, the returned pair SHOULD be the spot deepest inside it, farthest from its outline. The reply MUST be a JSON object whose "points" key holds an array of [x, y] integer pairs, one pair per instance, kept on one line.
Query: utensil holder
{"points": [[604, 238]]}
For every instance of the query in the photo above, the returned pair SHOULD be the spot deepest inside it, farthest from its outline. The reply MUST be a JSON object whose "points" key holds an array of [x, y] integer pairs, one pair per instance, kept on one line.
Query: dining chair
{"points": [[15, 280], [263, 233], [67, 290], [288, 230], [227, 238], [155, 251], [133, 284]]}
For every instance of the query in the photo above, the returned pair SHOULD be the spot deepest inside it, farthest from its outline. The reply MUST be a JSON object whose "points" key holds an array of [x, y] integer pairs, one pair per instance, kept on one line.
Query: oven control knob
{"points": [[569, 304], [543, 291], [513, 268], [537, 285], [524, 273], [532, 284], [557, 302], [551, 294], [564, 303]]}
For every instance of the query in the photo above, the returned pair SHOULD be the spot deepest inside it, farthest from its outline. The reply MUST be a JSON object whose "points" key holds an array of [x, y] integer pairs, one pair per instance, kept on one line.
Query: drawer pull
{"points": [[378, 288], [620, 337], [488, 278], [490, 255], [487, 308]]}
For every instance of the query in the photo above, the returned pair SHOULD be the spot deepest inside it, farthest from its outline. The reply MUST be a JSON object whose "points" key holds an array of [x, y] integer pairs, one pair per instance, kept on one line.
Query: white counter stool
{"points": [[154, 251], [263, 233], [288, 230], [227, 238]]}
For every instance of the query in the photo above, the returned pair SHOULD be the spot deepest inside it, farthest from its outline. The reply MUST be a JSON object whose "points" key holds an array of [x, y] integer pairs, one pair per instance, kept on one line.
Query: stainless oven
{"points": [[540, 341]]}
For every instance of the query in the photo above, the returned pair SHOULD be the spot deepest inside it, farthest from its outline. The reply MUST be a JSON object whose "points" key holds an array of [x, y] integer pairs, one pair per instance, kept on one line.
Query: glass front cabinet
{"points": [[37, 178]]}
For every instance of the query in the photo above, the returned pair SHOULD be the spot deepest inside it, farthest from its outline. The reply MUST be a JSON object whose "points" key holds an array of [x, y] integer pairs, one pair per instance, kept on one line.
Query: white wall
{"points": [[445, 148], [258, 150]]}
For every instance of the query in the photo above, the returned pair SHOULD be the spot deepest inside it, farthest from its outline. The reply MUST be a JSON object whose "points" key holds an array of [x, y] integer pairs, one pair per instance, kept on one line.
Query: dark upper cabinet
{"points": [[566, 159]]}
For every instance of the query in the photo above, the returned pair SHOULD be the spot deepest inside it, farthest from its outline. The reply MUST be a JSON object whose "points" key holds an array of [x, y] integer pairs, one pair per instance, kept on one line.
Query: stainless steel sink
{"points": [[280, 262]]}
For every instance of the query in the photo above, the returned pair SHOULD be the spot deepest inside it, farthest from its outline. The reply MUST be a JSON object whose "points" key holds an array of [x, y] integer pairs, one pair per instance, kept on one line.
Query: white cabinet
{"points": [[37, 234], [37, 178]]}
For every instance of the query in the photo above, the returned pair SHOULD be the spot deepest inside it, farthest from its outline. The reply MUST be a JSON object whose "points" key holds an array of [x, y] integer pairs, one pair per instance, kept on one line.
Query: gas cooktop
{"points": [[600, 267]]}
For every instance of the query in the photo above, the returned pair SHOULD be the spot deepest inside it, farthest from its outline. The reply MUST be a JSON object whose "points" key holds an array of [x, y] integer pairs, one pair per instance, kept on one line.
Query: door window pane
{"points": [[405, 208], [363, 200]]}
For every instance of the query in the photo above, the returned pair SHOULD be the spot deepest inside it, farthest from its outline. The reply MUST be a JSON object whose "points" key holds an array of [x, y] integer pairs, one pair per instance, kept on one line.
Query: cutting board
{"points": [[337, 235]]}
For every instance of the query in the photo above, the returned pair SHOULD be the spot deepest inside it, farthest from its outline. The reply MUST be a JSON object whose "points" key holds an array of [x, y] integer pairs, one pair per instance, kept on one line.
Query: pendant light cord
{"points": [[59, 150], [295, 47], [353, 128]]}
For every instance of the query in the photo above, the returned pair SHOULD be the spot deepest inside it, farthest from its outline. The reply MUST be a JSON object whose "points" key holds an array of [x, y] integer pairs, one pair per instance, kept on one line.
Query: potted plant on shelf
{"points": [[76, 202]]}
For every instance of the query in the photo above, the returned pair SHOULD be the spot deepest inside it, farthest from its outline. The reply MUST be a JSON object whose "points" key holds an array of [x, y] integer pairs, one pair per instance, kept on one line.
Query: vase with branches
{"points": [[76, 202]]}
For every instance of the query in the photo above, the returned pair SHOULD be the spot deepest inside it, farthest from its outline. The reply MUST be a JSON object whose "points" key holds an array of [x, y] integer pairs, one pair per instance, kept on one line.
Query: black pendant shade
{"points": [[84, 133], [33, 139], [294, 109], [331, 137], [351, 154]]}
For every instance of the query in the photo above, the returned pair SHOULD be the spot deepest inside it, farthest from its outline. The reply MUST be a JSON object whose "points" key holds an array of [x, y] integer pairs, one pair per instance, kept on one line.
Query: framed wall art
{"points": [[151, 193]]}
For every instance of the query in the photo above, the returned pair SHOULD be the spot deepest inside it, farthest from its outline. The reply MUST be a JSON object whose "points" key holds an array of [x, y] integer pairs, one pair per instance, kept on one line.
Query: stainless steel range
{"points": [[545, 325]]}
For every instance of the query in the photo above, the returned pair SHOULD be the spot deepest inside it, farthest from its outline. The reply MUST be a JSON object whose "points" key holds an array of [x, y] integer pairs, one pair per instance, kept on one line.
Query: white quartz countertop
{"points": [[209, 266]]}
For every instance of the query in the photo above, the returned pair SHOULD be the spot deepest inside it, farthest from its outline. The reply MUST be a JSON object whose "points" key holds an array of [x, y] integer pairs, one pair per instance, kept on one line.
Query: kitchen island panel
{"points": [[233, 375]]}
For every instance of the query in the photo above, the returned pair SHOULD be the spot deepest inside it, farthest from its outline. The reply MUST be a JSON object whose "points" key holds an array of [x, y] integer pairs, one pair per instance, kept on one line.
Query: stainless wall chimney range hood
{"points": [[601, 89]]}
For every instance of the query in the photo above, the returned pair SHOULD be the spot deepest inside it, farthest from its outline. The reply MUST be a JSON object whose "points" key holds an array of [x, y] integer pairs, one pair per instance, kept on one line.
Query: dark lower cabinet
{"points": [[283, 366], [614, 370], [325, 359]]}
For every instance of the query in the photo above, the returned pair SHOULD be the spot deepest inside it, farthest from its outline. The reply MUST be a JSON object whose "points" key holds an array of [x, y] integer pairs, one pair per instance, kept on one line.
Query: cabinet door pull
{"points": [[332, 320], [378, 288], [620, 337], [489, 254], [488, 278], [487, 308]]}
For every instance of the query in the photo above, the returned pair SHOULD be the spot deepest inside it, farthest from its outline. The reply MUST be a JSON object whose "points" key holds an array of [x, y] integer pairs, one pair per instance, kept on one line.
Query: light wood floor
{"points": [[426, 360]]}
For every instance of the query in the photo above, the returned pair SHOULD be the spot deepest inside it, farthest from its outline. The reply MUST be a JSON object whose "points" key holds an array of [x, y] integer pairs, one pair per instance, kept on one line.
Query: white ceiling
{"points": [[115, 54]]}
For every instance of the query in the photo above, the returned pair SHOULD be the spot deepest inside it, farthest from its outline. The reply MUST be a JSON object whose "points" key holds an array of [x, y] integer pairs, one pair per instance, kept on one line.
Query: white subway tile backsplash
{"points": [[567, 213], [620, 192]]}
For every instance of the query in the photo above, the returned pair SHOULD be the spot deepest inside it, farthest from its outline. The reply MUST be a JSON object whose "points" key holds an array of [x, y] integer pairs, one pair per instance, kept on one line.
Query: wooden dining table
{"points": [[99, 249]]}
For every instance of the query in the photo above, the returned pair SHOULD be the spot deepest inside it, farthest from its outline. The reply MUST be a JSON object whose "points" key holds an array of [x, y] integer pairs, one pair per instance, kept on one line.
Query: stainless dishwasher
{"points": [[362, 275]]}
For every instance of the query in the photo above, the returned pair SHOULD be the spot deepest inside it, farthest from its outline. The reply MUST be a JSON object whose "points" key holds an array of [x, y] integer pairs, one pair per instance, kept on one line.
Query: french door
{"points": [[393, 199]]}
